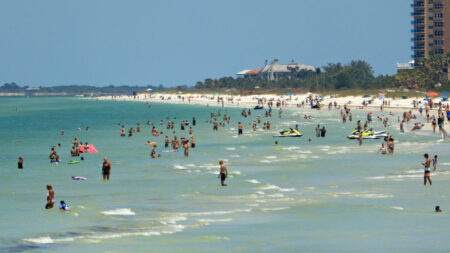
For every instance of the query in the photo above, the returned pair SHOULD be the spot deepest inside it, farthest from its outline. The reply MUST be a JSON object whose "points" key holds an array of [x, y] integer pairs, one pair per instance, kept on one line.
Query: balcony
{"points": [[420, 48], [419, 30], [418, 4], [417, 56], [420, 13], [418, 39], [417, 22]]}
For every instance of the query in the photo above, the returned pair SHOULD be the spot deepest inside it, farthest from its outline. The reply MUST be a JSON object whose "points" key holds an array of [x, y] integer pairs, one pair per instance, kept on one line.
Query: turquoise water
{"points": [[327, 195]]}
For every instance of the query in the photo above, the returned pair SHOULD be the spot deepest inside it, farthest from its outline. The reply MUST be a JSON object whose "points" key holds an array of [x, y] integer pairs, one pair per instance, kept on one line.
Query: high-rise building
{"points": [[431, 21]]}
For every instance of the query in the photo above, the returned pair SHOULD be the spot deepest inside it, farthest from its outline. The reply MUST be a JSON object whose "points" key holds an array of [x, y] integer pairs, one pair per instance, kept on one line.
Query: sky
{"points": [[153, 42]]}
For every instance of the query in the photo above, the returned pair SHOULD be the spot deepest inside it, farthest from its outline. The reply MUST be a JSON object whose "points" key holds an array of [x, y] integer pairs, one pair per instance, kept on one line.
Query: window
{"points": [[439, 42], [438, 6], [430, 27], [439, 33], [439, 24], [419, 30], [430, 1], [430, 44], [438, 15], [430, 36], [430, 9], [430, 18], [439, 51]]}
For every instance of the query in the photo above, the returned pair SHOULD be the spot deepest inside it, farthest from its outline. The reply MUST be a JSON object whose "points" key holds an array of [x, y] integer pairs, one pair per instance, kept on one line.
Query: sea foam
{"points": [[119, 211]]}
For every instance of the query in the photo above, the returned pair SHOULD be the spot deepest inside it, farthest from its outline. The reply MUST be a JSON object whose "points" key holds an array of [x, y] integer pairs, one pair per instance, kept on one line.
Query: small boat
{"points": [[367, 134], [289, 133]]}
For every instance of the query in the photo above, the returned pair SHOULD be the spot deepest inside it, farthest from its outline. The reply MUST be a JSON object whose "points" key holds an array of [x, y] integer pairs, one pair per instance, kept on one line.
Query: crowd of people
{"points": [[220, 119]]}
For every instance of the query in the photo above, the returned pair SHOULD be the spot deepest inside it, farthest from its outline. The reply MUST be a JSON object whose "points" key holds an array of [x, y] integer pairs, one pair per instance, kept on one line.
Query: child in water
{"points": [[63, 206], [434, 161]]}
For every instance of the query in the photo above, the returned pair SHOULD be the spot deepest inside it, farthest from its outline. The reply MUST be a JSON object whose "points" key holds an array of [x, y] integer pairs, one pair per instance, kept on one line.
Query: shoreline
{"points": [[398, 105]]}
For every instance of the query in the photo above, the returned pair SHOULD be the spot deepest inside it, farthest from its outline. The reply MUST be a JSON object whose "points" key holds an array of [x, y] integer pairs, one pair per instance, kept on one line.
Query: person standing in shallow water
{"points": [[223, 173], [239, 128], [186, 148], [427, 172], [106, 169], [50, 197], [20, 163]]}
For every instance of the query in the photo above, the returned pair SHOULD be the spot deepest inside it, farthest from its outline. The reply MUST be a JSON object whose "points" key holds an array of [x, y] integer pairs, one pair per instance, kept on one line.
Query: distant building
{"points": [[431, 33], [248, 73], [274, 71], [405, 66], [32, 88]]}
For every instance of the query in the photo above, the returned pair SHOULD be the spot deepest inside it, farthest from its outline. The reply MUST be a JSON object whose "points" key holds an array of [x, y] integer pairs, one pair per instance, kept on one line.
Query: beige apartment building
{"points": [[431, 32]]}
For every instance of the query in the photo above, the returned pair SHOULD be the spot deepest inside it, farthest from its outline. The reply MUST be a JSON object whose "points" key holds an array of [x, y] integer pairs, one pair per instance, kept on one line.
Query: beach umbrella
{"points": [[288, 94], [366, 96], [432, 94], [444, 97], [445, 92]]}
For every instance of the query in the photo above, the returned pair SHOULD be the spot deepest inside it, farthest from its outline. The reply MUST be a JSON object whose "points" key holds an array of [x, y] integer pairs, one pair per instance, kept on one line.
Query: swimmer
{"points": [[223, 173], [79, 178], [437, 209], [382, 149], [276, 143], [417, 127], [63, 206]]}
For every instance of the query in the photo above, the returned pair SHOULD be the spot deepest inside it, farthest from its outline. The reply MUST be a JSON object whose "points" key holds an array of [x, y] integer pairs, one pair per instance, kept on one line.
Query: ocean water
{"points": [[327, 195]]}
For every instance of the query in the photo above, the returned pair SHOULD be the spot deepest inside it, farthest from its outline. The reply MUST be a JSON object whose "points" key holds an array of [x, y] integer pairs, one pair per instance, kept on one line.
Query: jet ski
{"points": [[370, 134], [289, 133]]}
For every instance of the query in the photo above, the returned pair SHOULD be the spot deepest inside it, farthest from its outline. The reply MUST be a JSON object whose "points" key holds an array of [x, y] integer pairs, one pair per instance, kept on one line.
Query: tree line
{"points": [[354, 75]]}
